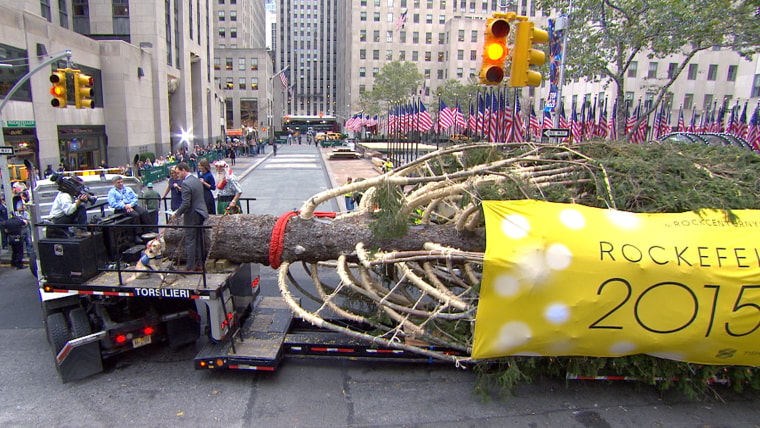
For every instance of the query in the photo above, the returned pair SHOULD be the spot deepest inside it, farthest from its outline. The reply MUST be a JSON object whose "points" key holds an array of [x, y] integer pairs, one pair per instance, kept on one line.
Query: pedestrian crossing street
{"points": [[290, 161]]}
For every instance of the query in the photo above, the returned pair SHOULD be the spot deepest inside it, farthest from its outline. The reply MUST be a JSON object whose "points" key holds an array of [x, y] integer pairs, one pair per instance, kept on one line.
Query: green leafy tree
{"points": [[453, 90], [605, 37], [395, 81]]}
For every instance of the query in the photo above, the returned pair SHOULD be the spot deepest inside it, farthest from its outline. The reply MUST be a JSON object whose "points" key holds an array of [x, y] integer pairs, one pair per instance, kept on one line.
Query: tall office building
{"points": [[242, 65], [152, 79], [307, 45]]}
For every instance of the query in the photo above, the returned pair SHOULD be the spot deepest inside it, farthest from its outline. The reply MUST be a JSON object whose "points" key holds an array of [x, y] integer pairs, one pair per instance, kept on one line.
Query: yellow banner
{"points": [[568, 280]]}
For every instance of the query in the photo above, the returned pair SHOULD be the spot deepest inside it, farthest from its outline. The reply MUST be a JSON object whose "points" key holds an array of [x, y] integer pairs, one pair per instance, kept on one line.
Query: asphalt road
{"points": [[157, 387]]}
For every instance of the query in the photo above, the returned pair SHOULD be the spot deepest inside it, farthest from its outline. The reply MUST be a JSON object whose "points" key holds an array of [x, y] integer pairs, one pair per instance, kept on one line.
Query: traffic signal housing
{"points": [[58, 90], [524, 55], [83, 91], [495, 50]]}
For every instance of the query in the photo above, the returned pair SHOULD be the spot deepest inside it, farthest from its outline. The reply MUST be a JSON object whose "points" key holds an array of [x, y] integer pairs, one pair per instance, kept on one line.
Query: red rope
{"points": [[277, 241]]}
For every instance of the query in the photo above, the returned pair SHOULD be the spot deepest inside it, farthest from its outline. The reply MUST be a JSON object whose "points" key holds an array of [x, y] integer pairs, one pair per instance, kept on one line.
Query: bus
{"points": [[303, 124]]}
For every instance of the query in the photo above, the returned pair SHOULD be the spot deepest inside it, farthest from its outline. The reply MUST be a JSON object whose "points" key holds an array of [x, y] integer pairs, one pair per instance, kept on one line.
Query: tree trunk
{"points": [[246, 238]]}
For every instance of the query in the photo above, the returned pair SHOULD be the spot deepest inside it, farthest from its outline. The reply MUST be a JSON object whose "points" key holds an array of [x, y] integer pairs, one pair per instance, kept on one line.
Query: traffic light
{"points": [[494, 50], [524, 55], [83, 92], [58, 90]]}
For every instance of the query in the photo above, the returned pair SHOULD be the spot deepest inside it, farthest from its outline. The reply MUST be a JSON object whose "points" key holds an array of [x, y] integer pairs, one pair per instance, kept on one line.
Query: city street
{"points": [[158, 387]]}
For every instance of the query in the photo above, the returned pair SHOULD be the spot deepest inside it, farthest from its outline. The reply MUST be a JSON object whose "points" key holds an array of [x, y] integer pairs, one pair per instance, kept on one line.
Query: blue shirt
{"points": [[118, 198]]}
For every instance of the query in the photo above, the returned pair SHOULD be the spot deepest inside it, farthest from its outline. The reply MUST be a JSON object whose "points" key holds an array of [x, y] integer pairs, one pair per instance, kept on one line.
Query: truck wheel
{"points": [[57, 330], [80, 325]]}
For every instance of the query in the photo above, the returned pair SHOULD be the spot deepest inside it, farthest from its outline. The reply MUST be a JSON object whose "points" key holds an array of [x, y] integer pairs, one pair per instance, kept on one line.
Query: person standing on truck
{"points": [[209, 184], [14, 228], [194, 213], [229, 189], [175, 187], [151, 201]]}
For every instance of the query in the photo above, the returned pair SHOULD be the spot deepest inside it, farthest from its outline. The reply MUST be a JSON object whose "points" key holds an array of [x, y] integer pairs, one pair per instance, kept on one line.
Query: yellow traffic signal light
{"points": [[58, 90], [524, 55], [494, 50], [83, 92]]}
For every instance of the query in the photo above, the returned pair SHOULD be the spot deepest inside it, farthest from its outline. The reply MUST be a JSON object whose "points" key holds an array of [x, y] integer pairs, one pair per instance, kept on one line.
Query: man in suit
{"points": [[194, 212]]}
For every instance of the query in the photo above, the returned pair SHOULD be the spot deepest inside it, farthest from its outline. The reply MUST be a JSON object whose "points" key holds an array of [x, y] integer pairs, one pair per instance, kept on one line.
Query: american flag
{"points": [[401, 20], [459, 122], [681, 122], [693, 122], [576, 126], [506, 119], [631, 120], [601, 130], [284, 78], [425, 122], [518, 129], [753, 133], [535, 126], [742, 128], [445, 116], [613, 123], [547, 121], [472, 120], [481, 115], [563, 118]]}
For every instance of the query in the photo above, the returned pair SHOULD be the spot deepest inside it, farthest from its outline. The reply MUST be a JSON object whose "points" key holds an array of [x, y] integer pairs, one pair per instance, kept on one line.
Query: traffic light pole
{"points": [[4, 159]]}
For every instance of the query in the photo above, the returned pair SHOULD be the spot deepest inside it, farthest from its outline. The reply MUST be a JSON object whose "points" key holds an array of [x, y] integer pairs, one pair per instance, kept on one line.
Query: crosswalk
{"points": [[290, 161]]}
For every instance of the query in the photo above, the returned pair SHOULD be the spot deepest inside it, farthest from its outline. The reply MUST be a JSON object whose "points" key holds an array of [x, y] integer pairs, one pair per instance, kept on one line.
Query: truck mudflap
{"points": [[80, 357], [271, 334]]}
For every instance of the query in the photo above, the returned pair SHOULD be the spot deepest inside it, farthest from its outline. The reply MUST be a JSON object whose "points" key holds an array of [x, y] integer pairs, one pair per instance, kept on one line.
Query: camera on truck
{"points": [[74, 186]]}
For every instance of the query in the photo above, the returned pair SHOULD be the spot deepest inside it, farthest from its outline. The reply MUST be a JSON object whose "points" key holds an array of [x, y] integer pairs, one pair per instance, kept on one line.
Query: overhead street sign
{"points": [[6, 150], [555, 133]]}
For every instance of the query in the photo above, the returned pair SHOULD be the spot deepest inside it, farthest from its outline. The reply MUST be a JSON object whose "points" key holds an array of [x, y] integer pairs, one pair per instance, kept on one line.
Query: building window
{"points": [[712, 72], [221, 15], [652, 70], [221, 32], [441, 56], [241, 83], [228, 63], [460, 35], [731, 73], [693, 71], [707, 101], [375, 70], [427, 73], [688, 101], [233, 33], [45, 10], [429, 18], [390, 17], [362, 72], [441, 19], [633, 69], [229, 84], [363, 16], [428, 38], [376, 17], [362, 35], [460, 73], [473, 55], [402, 36], [217, 63], [376, 54], [63, 14], [416, 18], [415, 37], [415, 56], [362, 54], [120, 9], [441, 38], [672, 69], [756, 86], [254, 63], [474, 36], [376, 36], [233, 15], [389, 55], [402, 55], [217, 83], [439, 74], [389, 36], [460, 54], [241, 64], [428, 56]]}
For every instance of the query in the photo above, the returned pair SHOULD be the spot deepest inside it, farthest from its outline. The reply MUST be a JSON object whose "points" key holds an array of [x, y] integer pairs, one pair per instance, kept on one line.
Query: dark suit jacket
{"points": [[192, 198]]}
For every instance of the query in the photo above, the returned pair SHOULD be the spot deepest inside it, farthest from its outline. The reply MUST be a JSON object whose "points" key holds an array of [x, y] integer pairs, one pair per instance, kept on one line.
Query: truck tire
{"points": [[57, 331], [80, 325]]}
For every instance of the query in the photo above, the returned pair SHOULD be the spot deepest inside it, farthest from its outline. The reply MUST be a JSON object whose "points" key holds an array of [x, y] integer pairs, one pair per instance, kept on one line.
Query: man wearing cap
{"points": [[123, 200], [152, 202]]}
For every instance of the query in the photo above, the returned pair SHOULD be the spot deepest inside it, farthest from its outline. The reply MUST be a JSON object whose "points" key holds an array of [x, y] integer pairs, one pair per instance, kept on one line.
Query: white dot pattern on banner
{"points": [[623, 219], [621, 348], [515, 226], [507, 285], [572, 219], [514, 334], [558, 257], [557, 313]]}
